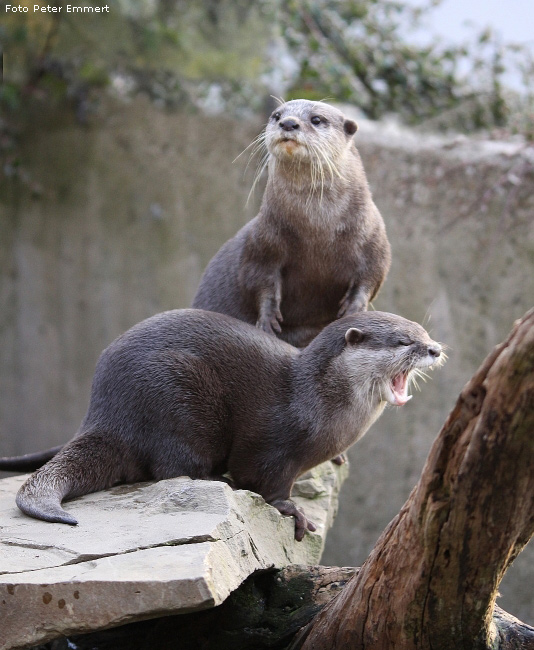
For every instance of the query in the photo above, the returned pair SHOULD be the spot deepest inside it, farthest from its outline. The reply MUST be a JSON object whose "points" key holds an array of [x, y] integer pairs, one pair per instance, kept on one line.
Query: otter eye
{"points": [[405, 342], [276, 116], [316, 120]]}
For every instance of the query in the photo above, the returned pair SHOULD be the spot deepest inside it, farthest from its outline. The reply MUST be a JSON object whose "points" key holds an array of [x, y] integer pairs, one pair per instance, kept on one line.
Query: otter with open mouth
{"points": [[195, 393]]}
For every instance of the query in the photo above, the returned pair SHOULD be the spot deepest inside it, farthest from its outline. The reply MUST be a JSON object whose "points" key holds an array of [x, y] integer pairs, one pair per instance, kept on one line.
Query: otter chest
{"points": [[315, 276]]}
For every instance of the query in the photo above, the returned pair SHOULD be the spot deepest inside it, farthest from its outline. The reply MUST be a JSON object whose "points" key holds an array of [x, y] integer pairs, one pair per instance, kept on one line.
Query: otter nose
{"points": [[289, 124], [434, 350]]}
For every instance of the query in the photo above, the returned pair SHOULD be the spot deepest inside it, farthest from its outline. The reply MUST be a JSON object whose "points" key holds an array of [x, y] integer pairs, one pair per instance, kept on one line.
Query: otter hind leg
{"points": [[175, 457], [89, 463]]}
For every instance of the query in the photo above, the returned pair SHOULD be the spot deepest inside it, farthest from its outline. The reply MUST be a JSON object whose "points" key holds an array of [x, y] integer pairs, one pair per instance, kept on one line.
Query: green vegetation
{"points": [[218, 55]]}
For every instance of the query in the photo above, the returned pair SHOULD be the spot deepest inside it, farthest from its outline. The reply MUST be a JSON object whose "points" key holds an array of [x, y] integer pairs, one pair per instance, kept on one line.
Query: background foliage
{"points": [[232, 55]]}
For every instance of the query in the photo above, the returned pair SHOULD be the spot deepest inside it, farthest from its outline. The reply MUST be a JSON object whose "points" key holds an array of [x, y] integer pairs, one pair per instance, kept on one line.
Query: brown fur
{"points": [[318, 248]]}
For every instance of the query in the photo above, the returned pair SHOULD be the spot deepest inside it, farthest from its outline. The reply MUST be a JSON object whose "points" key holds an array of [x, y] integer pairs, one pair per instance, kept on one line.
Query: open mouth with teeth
{"points": [[396, 392]]}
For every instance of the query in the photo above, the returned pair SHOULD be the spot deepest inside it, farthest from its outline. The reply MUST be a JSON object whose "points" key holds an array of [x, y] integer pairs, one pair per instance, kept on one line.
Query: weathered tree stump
{"points": [[431, 580]]}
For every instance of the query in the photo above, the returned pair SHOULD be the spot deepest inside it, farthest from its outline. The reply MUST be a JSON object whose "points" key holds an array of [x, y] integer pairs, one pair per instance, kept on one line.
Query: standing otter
{"points": [[194, 393], [318, 248]]}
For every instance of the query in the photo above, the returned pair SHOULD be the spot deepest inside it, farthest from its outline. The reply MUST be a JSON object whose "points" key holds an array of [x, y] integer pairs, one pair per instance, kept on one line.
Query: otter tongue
{"points": [[399, 388]]}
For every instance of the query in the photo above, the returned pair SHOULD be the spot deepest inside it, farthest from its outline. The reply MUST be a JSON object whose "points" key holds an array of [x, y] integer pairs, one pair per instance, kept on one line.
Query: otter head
{"points": [[313, 132], [385, 353]]}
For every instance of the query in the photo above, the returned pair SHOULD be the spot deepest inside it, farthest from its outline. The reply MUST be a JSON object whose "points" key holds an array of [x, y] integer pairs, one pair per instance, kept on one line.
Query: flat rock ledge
{"points": [[146, 550]]}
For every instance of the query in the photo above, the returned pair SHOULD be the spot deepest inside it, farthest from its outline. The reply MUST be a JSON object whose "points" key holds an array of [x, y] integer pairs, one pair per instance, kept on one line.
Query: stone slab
{"points": [[146, 550]]}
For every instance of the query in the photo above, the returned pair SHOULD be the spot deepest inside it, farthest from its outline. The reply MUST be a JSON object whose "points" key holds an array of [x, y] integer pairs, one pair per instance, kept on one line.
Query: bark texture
{"points": [[431, 580]]}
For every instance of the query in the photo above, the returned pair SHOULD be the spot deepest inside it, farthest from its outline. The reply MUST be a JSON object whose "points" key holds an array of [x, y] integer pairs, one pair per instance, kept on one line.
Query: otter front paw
{"points": [[351, 304], [341, 459], [270, 323], [302, 524]]}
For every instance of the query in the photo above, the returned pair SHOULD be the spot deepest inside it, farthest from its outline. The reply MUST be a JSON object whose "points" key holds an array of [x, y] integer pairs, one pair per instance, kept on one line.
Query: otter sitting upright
{"points": [[194, 393], [318, 248]]}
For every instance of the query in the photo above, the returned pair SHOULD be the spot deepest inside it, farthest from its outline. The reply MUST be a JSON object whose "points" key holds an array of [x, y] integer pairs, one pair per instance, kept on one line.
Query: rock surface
{"points": [[146, 550]]}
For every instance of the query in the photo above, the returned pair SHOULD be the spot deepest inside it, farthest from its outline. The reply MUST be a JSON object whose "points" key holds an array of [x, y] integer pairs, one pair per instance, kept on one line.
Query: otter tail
{"points": [[28, 462], [89, 463], [41, 497]]}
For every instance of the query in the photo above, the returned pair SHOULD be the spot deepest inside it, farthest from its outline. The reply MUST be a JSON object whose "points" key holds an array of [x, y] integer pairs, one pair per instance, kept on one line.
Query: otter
{"points": [[318, 248], [195, 393]]}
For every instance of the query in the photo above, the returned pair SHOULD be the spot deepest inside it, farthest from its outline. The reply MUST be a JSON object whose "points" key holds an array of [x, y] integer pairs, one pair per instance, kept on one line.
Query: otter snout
{"points": [[289, 124], [434, 350], [431, 353]]}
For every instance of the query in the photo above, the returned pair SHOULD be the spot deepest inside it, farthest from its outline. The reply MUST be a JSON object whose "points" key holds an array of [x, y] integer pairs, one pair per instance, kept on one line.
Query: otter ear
{"points": [[350, 127], [354, 335]]}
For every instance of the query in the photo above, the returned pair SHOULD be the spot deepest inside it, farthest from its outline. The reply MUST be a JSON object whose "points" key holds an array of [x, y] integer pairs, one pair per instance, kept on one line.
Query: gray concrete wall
{"points": [[130, 215], [134, 208]]}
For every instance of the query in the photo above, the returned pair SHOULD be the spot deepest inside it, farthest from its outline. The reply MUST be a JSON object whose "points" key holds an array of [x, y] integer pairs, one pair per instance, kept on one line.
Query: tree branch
{"points": [[431, 581]]}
